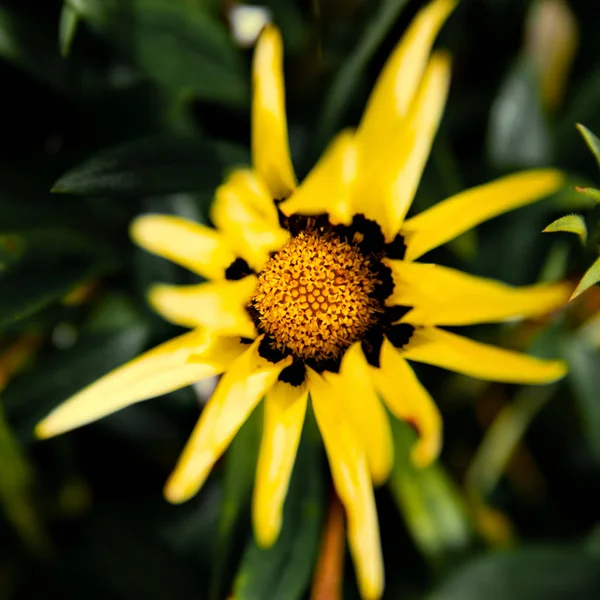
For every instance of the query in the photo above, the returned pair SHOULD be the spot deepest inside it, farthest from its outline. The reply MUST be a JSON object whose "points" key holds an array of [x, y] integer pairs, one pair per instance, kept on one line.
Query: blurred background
{"points": [[112, 108]]}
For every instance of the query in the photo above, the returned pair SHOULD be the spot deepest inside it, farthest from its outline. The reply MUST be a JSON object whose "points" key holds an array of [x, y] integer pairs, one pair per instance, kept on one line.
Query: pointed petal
{"points": [[218, 305], [156, 372], [456, 353], [241, 388], [394, 169], [443, 296], [285, 407], [409, 401], [245, 213], [351, 478], [465, 210], [365, 411], [328, 187], [191, 245], [270, 148], [397, 85]]}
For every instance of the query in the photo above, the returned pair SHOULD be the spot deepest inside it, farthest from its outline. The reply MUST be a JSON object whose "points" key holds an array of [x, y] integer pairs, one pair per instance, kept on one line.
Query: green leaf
{"points": [[569, 224], [28, 46], [591, 140], [239, 470], [176, 44], [341, 91], [588, 191], [590, 278], [543, 573], [26, 291], [502, 438], [584, 378], [69, 20], [283, 571], [152, 166], [16, 479], [429, 501], [43, 246], [518, 134]]}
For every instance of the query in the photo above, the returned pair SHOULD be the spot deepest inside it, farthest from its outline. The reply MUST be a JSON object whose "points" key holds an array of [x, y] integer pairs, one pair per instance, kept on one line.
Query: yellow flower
{"points": [[313, 291]]}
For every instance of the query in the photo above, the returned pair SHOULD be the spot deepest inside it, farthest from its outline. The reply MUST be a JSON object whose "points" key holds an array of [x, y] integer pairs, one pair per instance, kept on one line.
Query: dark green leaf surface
{"points": [[340, 92], [174, 43], [430, 502], [238, 480], [26, 291], [283, 571], [528, 574], [518, 135], [584, 377], [151, 166]]}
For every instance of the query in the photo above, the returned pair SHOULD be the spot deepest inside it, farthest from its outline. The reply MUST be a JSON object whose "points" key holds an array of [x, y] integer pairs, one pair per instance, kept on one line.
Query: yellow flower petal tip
{"points": [[555, 370], [177, 491], [424, 452], [43, 430], [266, 530], [141, 228], [52, 425]]}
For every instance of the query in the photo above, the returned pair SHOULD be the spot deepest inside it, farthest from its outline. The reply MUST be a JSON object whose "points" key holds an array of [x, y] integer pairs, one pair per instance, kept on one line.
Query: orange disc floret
{"points": [[315, 296]]}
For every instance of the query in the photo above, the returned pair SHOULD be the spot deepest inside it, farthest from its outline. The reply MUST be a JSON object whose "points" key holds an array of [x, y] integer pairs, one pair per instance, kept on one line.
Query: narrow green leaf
{"points": [[591, 140], [341, 91], [502, 438], [584, 378], [542, 573], [518, 134], [429, 501], [238, 479], [590, 278], [152, 166], [67, 27], [26, 291], [16, 479], [283, 571], [29, 47], [46, 245], [588, 191], [569, 224]]}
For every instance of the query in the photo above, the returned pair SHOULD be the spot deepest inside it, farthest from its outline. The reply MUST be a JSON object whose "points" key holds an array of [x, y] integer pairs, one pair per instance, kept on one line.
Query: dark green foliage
{"points": [[114, 108]]}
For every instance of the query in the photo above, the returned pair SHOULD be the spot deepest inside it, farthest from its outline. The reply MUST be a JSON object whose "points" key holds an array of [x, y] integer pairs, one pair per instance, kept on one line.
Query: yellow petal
{"points": [[241, 388], [450, 351], [409, 401], [387, 189], [352, 481], [285, 407], [217, 305], [156, 372], [465, 210], [191, 245], [350, 474], [398, 83], [365, 411], [443, 296], [270, 148], [328, 187], [245, 213]]}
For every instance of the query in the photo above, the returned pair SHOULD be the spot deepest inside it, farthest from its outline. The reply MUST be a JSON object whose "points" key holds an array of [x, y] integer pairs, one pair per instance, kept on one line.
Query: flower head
{"points": [[313, 291]]}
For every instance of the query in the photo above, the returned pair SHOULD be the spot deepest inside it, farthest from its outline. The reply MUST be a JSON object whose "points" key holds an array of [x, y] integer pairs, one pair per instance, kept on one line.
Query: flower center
{"points": [[315, 296]]}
